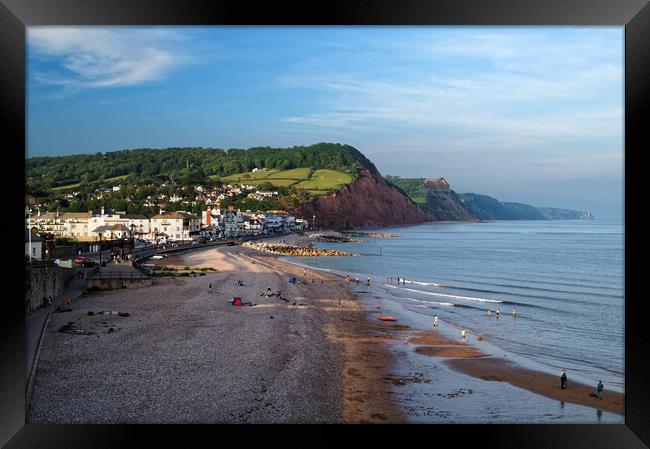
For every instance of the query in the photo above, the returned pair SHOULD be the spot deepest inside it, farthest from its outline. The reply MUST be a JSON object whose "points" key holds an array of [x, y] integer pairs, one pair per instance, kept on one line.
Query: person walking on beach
{"points": [[563, 379], [600, 390], [435, 321], [304, 271], [462, 334], [210, 288]]}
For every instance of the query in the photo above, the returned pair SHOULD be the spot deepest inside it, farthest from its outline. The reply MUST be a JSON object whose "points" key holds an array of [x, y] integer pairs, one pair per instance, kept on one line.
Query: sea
{"points": [[565, 278]]}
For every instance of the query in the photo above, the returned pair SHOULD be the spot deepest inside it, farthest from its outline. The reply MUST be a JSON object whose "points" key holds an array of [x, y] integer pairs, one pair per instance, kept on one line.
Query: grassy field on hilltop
{"points": [[298, 174], [77, 184], [317, 182], [414, 188], [326, 180], [249, 176], [65, 187]]}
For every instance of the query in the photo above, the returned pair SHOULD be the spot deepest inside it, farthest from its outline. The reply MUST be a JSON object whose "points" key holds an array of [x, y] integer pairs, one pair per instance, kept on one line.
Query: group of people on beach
{"points": [[564, 384], [389, 280], [498, 312], [348, 279]]}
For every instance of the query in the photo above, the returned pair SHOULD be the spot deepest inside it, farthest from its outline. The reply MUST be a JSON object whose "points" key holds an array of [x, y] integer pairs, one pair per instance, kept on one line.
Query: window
{"points": [[33, 251]]}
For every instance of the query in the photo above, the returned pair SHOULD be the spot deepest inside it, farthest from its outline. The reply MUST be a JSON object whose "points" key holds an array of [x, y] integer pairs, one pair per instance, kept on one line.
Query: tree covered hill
{"points": [[184, 165]]}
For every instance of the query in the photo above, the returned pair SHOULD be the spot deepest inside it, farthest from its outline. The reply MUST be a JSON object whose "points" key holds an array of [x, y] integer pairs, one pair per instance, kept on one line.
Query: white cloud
{"points": [[103, 57], [492, 88]]}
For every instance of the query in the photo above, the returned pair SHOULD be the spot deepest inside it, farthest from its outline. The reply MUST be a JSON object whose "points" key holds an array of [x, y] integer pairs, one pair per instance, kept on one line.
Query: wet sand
{"points": [[468, 359]]}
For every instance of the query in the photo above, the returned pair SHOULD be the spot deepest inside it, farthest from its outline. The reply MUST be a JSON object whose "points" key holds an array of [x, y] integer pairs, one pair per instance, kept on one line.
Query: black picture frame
{"points": [[15, 15]]}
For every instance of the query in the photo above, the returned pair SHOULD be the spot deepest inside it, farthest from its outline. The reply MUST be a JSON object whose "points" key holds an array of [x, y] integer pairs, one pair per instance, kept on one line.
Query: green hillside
{"points": [[188, 165], [323, 180], [316, 182], [148, 176], [414, 188]]}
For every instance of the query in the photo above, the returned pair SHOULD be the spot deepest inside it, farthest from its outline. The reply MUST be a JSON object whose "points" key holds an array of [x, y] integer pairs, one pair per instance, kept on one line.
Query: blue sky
{"points": [[530, 114]]}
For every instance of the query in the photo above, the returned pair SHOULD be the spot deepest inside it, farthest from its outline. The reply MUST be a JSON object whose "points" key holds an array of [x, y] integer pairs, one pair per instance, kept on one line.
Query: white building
{"points": [[69, 224], [36, 247], [112, 232], [139, 224], [174, 226]]}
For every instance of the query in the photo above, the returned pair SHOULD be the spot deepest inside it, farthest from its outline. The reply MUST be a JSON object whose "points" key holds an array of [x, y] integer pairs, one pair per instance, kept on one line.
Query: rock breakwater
{"points": [[289, 250]]}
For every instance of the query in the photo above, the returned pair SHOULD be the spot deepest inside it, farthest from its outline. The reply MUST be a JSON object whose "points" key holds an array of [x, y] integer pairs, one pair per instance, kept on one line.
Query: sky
{"points": [[527, 114]]}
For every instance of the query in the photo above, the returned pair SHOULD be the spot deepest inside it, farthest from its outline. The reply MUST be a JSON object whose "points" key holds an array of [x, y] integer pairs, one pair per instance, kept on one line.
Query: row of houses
{"points": [[90, 226], [178, 226], [230, 223]]}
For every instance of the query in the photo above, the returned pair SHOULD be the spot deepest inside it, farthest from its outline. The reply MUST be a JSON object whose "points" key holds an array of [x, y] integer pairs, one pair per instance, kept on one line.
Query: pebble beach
{"points": [[179, 352]]}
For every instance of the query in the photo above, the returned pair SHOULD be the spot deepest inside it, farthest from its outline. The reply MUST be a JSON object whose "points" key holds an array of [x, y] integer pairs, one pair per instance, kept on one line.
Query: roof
{"points": [[113, 227], [63, 216], [35, 238], [179, 214], [134, 217]]}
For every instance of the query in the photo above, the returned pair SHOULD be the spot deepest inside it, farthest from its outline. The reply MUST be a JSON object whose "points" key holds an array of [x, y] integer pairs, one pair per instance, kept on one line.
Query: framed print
{"points": [[415, 216]]}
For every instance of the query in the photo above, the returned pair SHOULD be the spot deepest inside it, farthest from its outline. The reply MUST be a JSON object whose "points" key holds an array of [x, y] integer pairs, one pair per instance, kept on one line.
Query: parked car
{"points": [[88, 262]]}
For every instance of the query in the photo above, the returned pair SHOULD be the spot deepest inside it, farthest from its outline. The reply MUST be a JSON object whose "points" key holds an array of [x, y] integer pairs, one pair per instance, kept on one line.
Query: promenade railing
{"points": [[119, 275]]}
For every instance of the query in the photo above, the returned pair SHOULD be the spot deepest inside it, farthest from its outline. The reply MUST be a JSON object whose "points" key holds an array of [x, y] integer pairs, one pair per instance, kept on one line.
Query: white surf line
{"points": [[432, 284], [444, 295], [428, 302]]}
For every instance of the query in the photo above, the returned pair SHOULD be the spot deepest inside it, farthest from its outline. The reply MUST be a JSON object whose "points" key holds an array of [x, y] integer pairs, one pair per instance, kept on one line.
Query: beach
{"points": [[186, 355]]}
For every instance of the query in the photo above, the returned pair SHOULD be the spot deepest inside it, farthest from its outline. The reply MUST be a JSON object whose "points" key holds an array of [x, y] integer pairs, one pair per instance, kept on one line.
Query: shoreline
{"points": [[471, 361], [185, 355]]}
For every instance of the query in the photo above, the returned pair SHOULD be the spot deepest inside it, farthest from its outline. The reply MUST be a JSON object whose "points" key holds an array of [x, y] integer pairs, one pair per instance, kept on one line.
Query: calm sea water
{"points": [[565, 278]]}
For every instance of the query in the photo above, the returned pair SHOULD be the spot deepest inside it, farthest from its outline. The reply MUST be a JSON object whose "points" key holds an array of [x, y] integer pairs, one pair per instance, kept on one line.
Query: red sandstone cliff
{"points": [[367, 202]]}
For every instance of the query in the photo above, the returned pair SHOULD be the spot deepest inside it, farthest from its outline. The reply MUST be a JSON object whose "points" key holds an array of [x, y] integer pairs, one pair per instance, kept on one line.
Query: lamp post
{"points": [[132, 226], [313, 222], [28, 211]]}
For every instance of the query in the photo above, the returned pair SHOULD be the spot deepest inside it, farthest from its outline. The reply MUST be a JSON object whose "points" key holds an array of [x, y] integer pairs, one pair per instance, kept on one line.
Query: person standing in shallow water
{"points": [[435, 321], [600, 390], [563, 379], [462, 334], [368, 281]]}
